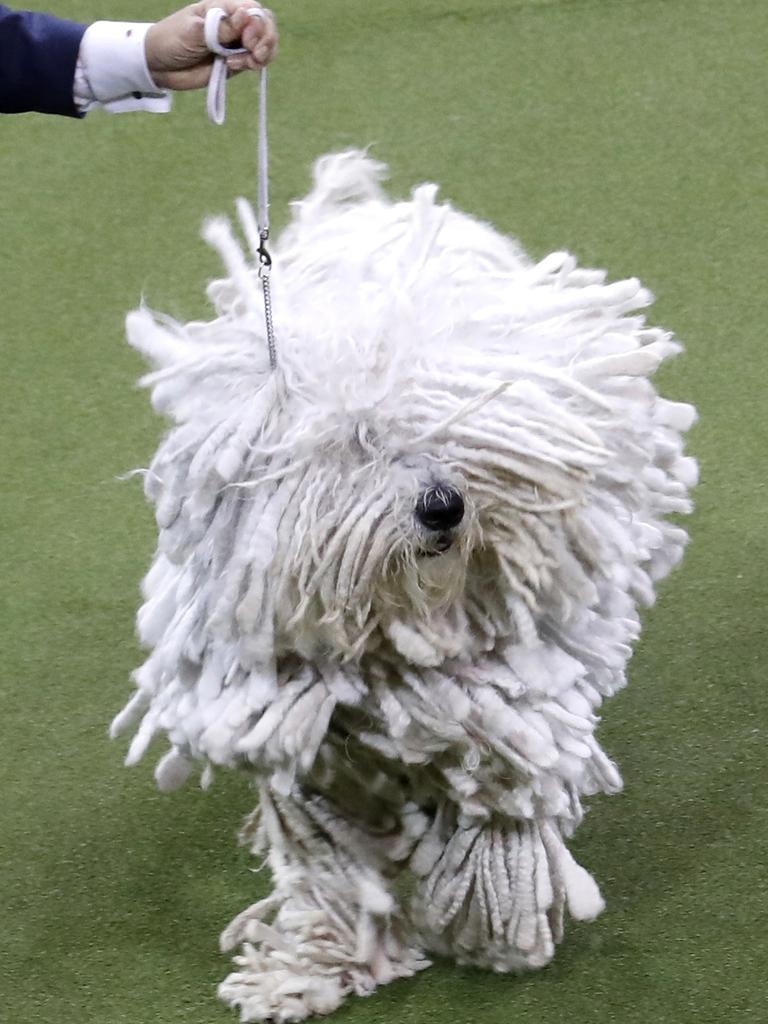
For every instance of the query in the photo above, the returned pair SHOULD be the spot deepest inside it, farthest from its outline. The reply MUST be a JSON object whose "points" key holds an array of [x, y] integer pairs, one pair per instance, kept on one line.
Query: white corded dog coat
{"points": [[397, 576]]}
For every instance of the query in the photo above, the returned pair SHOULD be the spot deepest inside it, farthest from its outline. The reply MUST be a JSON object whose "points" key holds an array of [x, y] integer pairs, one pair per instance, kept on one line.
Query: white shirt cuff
{"points": [[112, 70]]}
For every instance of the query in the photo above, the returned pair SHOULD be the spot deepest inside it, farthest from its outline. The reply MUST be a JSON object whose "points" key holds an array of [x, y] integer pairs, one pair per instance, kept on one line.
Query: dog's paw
{"points": [[320, 946], [280, 985], [271, 988], [495, 897]]}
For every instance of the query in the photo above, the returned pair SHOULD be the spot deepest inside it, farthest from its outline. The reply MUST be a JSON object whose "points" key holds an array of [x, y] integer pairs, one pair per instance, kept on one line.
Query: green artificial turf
{"points": [[632, 133]]}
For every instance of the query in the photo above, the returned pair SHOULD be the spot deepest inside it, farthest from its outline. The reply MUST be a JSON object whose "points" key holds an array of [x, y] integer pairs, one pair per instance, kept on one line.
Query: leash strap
{"points": [[216, 102]]}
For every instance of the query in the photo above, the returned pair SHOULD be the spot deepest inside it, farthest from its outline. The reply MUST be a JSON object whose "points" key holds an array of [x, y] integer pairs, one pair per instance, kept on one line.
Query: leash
{"points": [[216, 103]]}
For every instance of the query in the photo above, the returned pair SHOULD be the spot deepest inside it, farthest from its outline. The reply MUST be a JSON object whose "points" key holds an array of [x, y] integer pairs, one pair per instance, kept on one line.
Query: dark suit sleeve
{"points": [[38, 54]]}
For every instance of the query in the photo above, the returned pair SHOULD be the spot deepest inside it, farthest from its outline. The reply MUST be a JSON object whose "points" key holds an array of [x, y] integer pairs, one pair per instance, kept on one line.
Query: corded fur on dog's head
{"points": [[456, 446]]}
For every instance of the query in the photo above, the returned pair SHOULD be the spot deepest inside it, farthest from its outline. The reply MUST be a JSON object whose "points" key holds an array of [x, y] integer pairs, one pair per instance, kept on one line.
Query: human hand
{"points": [[178, 58]]}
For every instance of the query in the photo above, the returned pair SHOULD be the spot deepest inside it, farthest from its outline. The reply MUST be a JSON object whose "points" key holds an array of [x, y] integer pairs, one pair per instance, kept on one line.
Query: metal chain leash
{"points": [[265, 269], [265, 260]]}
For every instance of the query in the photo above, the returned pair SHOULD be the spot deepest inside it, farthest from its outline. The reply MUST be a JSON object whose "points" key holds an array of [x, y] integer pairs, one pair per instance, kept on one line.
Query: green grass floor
{"points": [[633, 133]]}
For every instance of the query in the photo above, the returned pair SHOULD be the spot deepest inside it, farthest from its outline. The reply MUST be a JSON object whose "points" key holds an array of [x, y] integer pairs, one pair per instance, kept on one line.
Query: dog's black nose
{"points": [[440, 508]]}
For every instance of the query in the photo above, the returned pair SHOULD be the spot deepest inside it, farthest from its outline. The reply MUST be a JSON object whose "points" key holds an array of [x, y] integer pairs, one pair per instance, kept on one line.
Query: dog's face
{"points": [[399, 519]]}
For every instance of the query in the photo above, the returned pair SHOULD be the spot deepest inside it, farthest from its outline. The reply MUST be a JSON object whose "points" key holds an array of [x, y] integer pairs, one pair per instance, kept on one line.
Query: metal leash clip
{"points": [[265, 260]]}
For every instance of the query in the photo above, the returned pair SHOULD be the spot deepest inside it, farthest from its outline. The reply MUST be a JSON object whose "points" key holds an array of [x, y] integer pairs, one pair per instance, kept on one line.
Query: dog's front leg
{"points": [[493, 893], [330, 928]]}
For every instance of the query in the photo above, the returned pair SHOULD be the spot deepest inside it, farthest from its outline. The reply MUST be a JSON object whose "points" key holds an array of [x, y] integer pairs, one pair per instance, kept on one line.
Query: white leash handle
{"points": [[216, 100]]}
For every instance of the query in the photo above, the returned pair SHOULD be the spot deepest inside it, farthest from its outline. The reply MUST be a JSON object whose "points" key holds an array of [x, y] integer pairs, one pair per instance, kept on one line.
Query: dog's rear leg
{"points": [[493, 894], [330, 928]]}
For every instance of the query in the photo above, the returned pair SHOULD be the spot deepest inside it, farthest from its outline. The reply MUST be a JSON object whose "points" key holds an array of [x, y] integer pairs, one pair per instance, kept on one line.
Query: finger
{"points": [[261, 43], [241, 14], [256, 33], [242, 62], [228, 33], [264, 55], [255, 24]]}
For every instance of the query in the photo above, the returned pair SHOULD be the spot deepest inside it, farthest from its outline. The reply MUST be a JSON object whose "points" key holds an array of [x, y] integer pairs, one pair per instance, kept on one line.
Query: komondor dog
{"points": [[398, 574]]}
